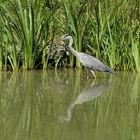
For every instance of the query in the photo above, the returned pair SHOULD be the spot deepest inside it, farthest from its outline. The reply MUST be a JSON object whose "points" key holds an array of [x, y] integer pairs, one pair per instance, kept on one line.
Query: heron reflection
{"points": [[86, 95]]}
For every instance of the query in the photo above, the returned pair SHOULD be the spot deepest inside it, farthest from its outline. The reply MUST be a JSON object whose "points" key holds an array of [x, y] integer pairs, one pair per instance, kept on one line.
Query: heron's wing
{"points": [[91, 62]]}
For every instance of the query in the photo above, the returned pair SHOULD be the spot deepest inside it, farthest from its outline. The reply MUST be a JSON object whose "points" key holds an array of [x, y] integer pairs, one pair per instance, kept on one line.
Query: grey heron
{"points": [[88, 61]]}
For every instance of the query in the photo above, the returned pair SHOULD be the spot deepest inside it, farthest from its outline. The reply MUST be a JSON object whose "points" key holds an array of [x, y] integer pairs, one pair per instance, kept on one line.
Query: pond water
{"points": [[69, 105]]}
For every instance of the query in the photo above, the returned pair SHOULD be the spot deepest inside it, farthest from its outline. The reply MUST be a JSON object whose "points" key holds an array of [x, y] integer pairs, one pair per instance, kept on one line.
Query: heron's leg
{"points": [[93, 73]]}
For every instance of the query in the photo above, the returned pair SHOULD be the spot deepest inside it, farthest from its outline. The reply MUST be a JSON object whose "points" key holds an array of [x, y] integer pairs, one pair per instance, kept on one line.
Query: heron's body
{"points": [[92, 63], [88, 61]]}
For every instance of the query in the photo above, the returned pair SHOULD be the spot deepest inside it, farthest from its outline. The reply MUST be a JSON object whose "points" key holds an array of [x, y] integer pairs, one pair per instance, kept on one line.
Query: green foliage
{"points": [[136, 52], [108, 30], [1, 58], [76, 22], [24, 32]]}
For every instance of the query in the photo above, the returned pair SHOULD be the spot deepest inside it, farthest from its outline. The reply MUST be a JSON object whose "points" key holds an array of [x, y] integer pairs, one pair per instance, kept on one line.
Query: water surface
{"points": [[69, 105]]}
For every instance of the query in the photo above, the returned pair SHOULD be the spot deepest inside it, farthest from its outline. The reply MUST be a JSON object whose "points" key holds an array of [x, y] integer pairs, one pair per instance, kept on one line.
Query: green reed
{"points": [[136, 47], [19, 32], [76, 22], [103, 29], [108, 30], [24, 34], [1, 58], [110, 35]]}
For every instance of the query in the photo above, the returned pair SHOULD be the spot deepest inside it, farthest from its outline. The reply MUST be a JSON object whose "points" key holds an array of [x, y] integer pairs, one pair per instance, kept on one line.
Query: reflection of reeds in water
{"points": [[28, 103], [31, 102], [116, 112]]}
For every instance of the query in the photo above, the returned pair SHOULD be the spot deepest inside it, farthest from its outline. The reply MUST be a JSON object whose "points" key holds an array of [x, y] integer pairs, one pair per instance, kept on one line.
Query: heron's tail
{"points": [[108, 70]]}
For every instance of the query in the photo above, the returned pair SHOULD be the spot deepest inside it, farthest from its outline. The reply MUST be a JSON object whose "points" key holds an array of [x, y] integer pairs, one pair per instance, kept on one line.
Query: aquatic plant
{"points": [[108, 30], [24, 33], [76, 22]]}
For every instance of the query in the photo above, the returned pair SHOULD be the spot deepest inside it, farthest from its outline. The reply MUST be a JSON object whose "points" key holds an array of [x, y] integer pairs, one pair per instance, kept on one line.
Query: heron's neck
{"points": [[71, 48]]}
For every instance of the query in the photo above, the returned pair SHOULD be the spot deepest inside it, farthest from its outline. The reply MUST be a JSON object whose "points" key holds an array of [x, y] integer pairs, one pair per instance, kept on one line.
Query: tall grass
{"points": [[111, 34], [1, 58], [136, 47], [108, 30], [24, 27], [20, 33], [136, 54], [76, 22]]}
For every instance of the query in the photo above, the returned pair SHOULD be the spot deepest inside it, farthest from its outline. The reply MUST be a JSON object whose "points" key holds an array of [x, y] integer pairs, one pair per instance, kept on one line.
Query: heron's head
{"points": [[66, 37]]}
